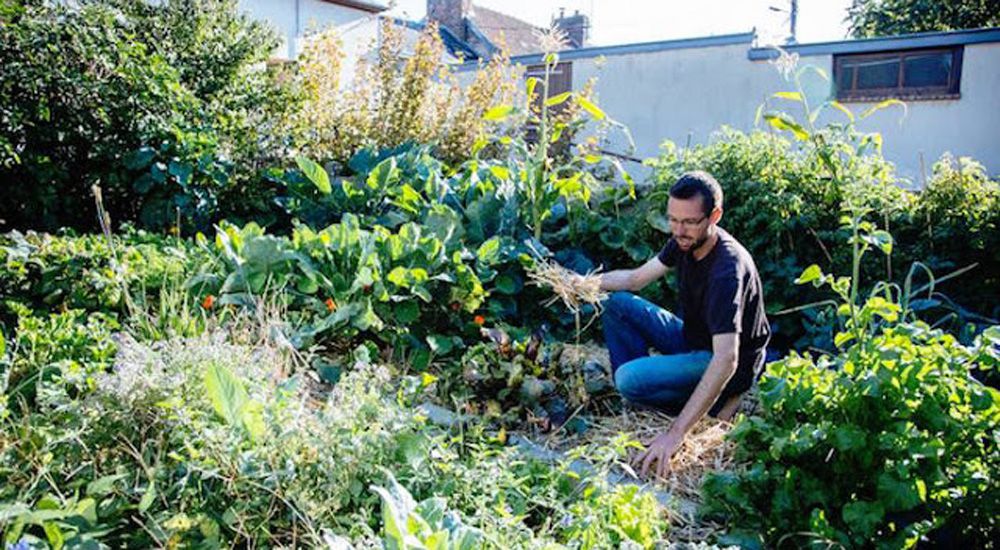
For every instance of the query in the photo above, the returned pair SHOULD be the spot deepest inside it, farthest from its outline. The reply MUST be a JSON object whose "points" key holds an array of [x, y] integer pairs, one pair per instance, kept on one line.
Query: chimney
{"points": [[575, 26], [450, 14]]}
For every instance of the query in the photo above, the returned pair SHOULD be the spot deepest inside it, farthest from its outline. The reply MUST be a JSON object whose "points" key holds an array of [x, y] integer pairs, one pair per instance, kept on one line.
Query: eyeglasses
{"points": [[689, 223]]}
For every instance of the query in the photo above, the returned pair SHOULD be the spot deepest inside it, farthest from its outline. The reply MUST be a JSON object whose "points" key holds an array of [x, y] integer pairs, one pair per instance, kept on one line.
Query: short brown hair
{"points": [[698, 183]]}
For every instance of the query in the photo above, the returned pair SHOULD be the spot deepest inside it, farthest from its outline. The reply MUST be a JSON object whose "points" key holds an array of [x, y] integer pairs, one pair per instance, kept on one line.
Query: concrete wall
{"points": [[686, 94], [968, 126], [682, 95]]}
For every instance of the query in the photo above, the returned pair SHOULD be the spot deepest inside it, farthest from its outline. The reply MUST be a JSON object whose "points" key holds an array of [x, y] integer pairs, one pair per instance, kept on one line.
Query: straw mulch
{"points": [[705, 450], [574, 290]]}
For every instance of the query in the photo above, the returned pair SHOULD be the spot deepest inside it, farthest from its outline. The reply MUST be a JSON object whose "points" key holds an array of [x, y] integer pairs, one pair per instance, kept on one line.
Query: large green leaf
{"points": [[315, 173], [591, 108], [489, 251], [781, 121], [226, 394], [558, 99]]}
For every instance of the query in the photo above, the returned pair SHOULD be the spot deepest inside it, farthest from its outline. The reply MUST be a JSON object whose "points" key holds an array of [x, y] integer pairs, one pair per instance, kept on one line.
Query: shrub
{"points": [[396, 99], [165, 105], [956, 223], [77, 92], [885, 442]]}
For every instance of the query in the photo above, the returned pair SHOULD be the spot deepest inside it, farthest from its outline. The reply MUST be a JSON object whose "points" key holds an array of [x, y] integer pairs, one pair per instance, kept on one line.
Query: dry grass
{"points": [[573, 289], [705, 450]]}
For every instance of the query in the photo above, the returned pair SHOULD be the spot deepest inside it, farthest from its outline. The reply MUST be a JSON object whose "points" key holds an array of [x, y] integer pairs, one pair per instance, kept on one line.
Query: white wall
{"points": [[294, 19], [678, 94], [683, 94], [359, 30], [968, 126]]}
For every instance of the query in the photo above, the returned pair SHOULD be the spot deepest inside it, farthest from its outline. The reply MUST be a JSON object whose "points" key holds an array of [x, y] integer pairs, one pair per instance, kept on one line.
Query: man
{"points": [[713, 349]]}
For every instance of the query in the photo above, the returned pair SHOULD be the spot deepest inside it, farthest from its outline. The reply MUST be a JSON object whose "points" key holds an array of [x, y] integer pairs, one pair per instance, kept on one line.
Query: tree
{"points": [[169, 106], [871, 18]]}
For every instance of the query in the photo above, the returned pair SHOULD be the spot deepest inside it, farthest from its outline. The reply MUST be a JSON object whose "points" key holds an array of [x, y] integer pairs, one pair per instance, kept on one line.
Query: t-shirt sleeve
{"points": [[725, 302], [670, 253]]}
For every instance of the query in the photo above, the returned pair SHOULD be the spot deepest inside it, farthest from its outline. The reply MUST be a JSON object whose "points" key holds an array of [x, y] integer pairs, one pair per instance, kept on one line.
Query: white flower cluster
{"points": [[145, 372], [138, 372]]}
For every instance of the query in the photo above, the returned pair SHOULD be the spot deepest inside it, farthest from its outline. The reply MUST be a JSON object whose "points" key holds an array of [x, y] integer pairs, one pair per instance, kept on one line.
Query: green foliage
{"points": [[43, 271], [884, 442], [536, 178], [427, 524], [192, 440], [616, 517], [56, 356], [163, 442], [180, 181], [956, 223], [874, 18], [401, 286], [210, 42], [162, 104], [78, 92]]}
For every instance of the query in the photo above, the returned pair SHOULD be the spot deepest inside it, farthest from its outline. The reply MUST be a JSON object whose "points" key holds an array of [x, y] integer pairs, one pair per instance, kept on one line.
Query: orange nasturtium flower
{"points": [[208, 302], [330, 304], [479, 320]]}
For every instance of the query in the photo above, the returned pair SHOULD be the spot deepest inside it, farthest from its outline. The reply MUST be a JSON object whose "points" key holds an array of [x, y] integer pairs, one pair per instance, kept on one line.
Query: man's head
{"points": [[694, 208]]}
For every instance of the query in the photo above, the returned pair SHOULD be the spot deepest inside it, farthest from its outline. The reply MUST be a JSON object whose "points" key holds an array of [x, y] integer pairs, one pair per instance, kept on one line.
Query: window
{"points": [[910, 74]]}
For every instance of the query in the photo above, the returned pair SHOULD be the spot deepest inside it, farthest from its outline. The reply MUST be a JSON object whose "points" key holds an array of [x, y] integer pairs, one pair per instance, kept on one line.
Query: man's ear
{"points": [[715, 216]]}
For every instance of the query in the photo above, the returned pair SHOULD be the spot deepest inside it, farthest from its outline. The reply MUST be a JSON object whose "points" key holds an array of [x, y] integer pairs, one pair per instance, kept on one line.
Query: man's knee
{"points": [[617, 301], [626, 382]]}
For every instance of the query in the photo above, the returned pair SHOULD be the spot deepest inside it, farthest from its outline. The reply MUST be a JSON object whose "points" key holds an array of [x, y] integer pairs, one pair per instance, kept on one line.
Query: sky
{"points": [[626, 21]]}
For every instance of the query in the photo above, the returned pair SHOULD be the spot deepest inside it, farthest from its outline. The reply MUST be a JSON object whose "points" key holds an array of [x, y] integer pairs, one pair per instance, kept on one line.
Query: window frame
{"points": [[951, 91]]}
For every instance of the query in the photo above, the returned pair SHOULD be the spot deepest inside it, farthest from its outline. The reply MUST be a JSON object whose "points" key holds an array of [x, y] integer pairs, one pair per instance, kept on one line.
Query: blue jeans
{"points": [[632, 325]]}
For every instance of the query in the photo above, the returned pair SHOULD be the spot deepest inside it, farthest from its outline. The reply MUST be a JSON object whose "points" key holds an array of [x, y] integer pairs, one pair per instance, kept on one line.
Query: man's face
{"points": [[689, 223]]}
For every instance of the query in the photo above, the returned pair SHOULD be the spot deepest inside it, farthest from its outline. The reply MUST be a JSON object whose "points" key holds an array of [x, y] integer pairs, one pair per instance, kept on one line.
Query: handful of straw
{"points": [[573, 289]]}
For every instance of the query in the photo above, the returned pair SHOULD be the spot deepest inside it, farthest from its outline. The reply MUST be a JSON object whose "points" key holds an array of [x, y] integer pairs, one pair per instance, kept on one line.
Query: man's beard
{"points": [[695, 245]]}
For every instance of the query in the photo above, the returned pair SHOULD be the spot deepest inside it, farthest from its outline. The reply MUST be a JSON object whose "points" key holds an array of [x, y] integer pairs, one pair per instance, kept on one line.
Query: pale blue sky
{"points": [[624, 21]]}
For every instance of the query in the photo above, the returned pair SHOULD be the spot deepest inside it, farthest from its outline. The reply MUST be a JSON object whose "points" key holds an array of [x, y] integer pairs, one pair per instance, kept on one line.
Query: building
{"points": [[684, 90], [295, 19]]}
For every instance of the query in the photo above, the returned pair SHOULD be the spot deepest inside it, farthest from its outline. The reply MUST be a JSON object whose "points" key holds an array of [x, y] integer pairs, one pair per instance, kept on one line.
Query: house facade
{"points": [[685, 90], [295, 19]]}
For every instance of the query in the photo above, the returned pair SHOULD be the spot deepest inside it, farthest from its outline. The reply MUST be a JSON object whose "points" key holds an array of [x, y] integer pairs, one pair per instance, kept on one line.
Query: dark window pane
{"points": [[882, 73], [927, 70], [845, 80]]}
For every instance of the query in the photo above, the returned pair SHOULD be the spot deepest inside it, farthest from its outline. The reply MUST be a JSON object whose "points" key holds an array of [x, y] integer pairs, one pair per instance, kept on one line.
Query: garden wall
{"points": [[684, 90]]}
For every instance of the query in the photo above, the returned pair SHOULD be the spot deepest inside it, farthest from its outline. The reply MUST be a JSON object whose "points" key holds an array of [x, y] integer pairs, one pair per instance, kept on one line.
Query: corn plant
{"points": [[533, 174]]}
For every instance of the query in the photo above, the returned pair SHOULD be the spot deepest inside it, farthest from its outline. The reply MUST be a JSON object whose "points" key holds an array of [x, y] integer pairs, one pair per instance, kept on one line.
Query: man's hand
{"points": [[657, 456], [720, 370]]}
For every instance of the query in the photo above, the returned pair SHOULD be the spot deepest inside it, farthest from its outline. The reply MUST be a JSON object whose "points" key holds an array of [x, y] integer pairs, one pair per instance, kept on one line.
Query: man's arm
{"points": [[633, 279], [725, 350]]}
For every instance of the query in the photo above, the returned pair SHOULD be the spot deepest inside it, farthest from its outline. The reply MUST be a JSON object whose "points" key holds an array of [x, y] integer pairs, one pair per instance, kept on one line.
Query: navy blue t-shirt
{"points": [[719, 294]]}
